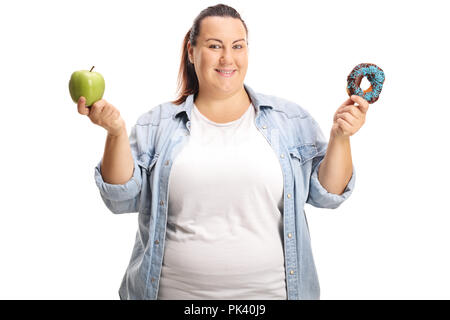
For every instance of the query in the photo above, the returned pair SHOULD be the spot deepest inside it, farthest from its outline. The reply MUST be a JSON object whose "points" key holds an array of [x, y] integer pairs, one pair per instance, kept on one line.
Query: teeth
{"points": [[227, 72]]}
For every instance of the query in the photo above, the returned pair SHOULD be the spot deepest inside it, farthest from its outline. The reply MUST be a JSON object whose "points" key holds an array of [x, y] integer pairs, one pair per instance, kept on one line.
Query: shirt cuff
{"points": [[321, 198], [119, 192]]}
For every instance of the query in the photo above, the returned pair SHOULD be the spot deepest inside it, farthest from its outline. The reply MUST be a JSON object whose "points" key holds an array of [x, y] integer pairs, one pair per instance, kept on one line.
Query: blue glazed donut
{"points": [[375, 76]]}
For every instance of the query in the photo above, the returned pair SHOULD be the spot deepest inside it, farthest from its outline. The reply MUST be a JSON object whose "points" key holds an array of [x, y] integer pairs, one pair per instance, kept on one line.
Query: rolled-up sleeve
{"points": [[119, 192], [121, 198], [318, 196]]}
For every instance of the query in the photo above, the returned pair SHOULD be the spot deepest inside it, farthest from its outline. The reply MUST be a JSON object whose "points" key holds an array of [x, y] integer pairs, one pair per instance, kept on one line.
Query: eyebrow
{"points": [[221, 40]]}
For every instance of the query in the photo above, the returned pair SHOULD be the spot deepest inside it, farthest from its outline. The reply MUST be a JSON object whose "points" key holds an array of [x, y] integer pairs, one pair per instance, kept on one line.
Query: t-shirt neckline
{"points": [[226, 124]]}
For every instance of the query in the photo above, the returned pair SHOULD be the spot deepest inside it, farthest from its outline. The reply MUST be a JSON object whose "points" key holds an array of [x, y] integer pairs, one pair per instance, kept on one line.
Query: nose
{"points": [[227, 57]]}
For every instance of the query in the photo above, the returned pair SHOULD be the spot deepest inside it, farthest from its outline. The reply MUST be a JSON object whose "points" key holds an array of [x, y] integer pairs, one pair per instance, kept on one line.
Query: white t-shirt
{"points": [[224, 236]]}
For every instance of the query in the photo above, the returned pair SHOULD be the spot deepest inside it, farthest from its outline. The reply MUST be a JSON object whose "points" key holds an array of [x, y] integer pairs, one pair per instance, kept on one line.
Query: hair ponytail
{"points": [[187, 82]]}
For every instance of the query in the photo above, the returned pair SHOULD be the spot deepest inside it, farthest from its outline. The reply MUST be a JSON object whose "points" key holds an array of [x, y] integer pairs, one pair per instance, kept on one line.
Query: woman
{"points": [[230, 221]]}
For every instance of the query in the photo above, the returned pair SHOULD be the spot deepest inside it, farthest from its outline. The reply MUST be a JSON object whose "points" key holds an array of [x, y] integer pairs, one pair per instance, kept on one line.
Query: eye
{"points": [[214, 45]]}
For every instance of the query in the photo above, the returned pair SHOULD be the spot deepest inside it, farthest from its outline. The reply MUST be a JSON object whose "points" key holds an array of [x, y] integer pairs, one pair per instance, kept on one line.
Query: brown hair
{"points": [[187, 79]]}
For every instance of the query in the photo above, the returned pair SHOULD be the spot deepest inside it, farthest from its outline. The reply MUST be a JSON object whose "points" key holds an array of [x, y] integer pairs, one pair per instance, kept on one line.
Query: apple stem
{"points": [[91, 69]]}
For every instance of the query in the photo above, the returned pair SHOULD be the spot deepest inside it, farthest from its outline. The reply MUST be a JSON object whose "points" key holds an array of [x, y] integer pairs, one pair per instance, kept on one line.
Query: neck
{"points": [[224, 108], [222, 104]]}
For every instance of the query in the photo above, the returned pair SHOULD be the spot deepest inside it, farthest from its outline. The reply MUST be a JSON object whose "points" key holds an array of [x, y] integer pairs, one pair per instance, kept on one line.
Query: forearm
{"points": [[117, 163], [335, 171]]}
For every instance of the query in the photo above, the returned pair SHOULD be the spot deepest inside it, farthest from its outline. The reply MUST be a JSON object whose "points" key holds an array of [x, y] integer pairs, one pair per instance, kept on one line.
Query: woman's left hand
{"points": [[349, 117]]}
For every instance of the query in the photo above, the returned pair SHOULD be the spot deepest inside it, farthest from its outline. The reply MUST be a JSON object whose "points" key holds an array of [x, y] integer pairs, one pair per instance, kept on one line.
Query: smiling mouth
{"points": [[225, 74]]}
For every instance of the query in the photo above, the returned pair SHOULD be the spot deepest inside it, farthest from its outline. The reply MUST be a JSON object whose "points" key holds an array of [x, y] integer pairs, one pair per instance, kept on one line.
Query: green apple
{"points": [[88, 84]]}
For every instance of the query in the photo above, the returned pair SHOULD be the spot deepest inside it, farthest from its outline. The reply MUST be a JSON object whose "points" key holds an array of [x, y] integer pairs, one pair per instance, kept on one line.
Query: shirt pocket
{"points": [[301, 158], [303, 153], [147, 163]]}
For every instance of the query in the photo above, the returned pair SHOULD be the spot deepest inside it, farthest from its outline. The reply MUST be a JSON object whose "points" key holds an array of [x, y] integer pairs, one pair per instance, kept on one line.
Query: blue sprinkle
{"points": [[374, 74]]}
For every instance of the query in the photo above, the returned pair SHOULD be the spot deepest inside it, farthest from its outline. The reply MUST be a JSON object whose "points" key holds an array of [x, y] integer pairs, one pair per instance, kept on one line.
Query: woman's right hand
{"points": [[104, 114]]}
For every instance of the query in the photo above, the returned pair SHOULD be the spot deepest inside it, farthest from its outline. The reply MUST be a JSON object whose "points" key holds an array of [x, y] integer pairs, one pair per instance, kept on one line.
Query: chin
{"points": [[229, 86]]}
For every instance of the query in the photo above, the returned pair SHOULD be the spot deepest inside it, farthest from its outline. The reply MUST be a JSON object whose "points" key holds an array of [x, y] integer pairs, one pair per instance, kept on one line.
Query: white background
{"points": [[389, 240]]}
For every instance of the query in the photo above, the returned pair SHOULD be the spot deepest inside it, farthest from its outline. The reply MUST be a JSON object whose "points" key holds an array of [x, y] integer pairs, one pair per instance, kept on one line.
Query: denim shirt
{"points": [[157, 138]]}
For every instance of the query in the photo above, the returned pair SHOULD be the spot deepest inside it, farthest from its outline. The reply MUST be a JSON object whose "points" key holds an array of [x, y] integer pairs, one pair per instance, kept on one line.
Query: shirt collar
{"points": [[258, 101]]}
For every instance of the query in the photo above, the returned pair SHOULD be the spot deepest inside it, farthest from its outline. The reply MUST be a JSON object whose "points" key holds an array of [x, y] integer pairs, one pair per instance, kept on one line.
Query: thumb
{"points": [[82, 109], [363, 105]]}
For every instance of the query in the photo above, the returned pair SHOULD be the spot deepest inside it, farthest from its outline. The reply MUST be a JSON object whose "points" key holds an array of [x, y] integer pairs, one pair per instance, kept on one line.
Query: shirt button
{"points": [[167, 162], [153, 279], [289, 195], [282, 155], [161, 202], [291, 272], [156, 241], [264, 127], [289, 235]]}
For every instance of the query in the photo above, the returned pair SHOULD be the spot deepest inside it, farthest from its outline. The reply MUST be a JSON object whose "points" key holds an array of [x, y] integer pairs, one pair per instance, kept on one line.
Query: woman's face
{"points": [[228, 51]]}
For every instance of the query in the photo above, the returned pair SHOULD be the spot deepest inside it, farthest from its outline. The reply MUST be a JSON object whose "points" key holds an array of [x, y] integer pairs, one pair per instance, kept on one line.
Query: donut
{"points": [[375, 76]]}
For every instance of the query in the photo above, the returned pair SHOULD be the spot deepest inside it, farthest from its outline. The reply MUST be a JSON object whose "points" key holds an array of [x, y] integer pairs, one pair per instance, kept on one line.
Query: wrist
{"points": [[338, 138], [115, 134]]}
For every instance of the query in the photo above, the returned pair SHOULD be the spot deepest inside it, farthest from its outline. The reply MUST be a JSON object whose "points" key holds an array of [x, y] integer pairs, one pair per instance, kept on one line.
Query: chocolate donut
{"points": [[375, 76]]}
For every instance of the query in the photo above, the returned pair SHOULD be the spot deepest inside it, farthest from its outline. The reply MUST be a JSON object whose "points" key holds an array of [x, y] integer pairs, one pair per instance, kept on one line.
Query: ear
{"points": [[190, 53]]}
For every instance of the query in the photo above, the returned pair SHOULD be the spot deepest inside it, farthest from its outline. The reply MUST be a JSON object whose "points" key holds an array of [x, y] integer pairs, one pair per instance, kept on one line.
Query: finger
{"points": [[100, 104], [345, 109], [115, 115], [347, 102], [96, 109], [363, 104], [345, 126], [81, 105], [348, 117], [108, 109], [344, 106], [354, 110]]}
